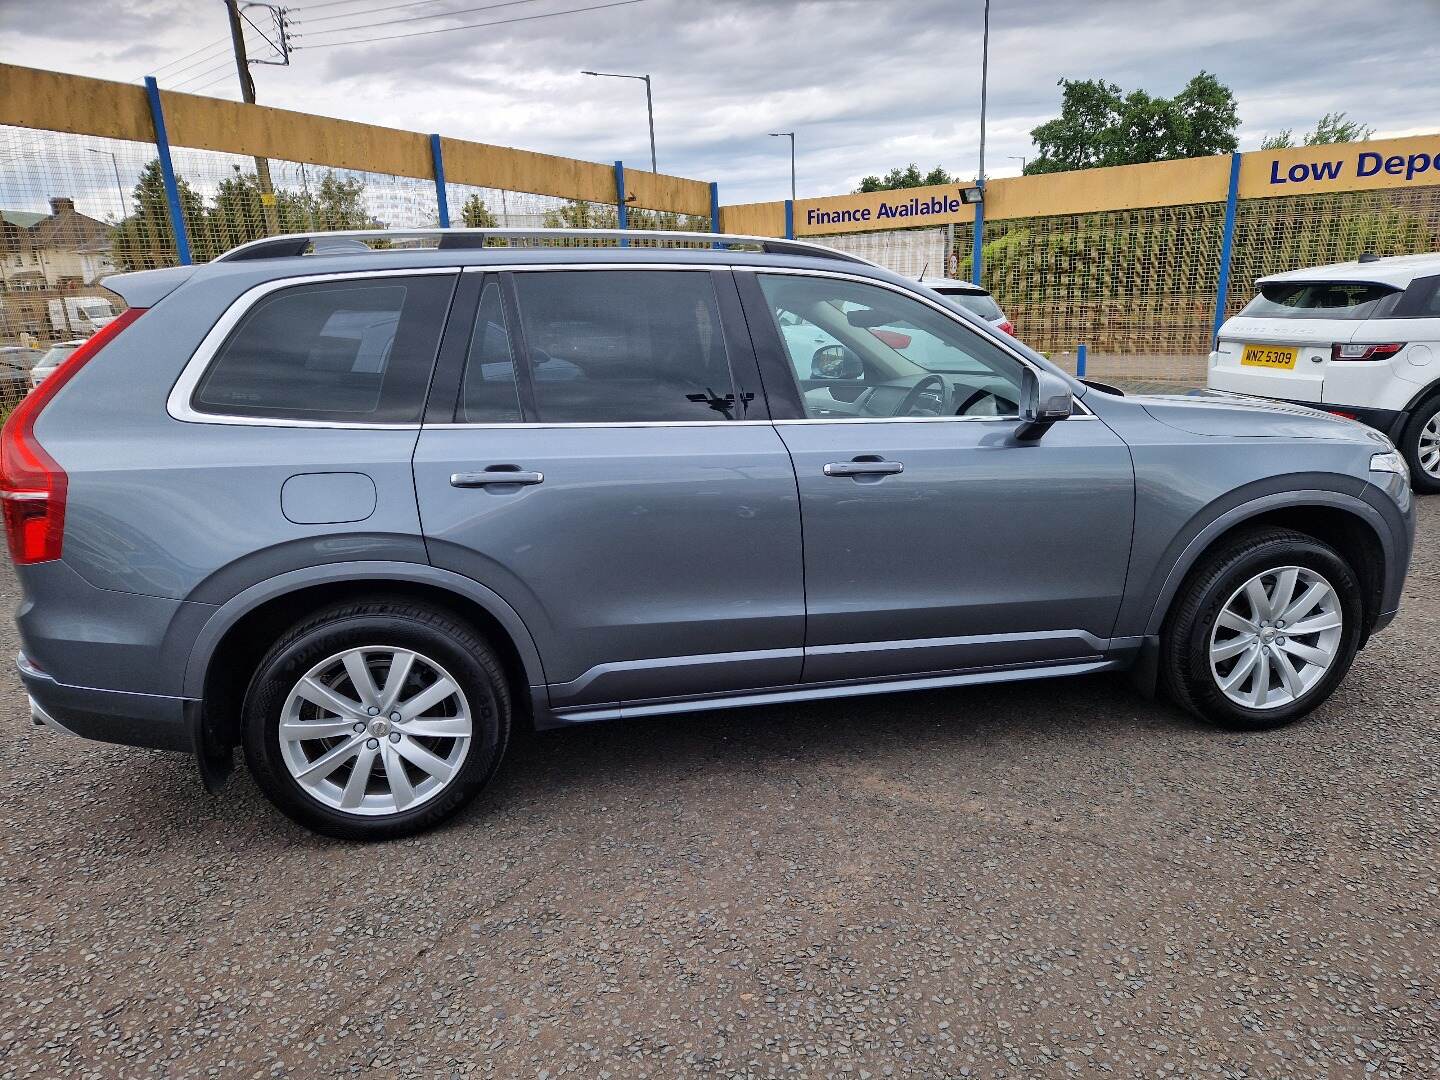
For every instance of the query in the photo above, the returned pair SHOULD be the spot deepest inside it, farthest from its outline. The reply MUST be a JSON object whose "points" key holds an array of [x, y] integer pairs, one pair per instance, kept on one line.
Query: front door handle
{"points": [[864, 467], [496, 474]]}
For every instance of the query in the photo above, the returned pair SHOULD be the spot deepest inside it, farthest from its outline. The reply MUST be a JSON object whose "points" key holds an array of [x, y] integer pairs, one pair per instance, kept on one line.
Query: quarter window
{"points": [[489, 394], [349, 351], [624, 346], [864, 352]]}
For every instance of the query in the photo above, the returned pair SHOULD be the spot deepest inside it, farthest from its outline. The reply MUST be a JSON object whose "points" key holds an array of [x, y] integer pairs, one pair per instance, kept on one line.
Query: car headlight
{"points": [[1390, 461]]}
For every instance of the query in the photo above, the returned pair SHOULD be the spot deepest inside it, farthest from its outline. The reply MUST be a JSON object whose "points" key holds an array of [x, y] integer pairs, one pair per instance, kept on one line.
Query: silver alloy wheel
{"points": [[375, 730], [1428, 450], [1276, 637]]}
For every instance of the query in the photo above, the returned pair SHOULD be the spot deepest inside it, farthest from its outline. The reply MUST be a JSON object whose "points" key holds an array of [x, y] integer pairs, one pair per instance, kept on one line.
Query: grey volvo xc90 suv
{"points": [[363, 511]]}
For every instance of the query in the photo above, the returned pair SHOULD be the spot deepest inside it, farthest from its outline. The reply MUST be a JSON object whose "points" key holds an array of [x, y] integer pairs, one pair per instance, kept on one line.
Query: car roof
{"points": [[1397, 270]]}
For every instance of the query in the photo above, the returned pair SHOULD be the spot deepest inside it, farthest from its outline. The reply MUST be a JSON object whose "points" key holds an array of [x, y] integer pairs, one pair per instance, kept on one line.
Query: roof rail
{"points": [[350, 240]]}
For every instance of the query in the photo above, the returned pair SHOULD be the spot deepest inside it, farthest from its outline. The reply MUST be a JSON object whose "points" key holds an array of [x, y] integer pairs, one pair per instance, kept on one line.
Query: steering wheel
{"points": [[918, 391]]}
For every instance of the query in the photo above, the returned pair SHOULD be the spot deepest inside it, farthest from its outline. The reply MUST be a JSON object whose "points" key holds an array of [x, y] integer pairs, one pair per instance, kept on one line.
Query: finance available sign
{"points": [[875, 210]]}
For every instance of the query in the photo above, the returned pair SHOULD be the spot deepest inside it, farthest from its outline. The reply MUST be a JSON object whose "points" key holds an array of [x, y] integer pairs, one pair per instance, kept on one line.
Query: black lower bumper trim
{"points": [[149, 720]]}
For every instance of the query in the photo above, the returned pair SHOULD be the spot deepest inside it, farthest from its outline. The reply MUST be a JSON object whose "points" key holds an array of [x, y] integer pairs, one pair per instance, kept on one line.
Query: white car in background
{"points": [[972, 298], [52, 358], [1360, 339]]}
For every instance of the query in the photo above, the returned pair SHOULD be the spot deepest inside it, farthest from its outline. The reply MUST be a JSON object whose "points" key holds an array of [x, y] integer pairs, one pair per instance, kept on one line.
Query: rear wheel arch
{"points": [[241, 632]]}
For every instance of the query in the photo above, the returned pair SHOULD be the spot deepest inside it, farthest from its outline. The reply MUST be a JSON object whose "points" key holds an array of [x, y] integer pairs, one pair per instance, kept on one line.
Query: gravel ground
{"points": [[1058, 879]]}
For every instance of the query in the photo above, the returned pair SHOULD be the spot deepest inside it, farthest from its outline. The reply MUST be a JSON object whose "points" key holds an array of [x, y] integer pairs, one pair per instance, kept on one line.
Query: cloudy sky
{"points": [[867, 84]]}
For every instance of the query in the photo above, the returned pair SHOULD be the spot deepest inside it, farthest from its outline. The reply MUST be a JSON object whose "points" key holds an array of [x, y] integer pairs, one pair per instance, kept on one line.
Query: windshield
{"points": [[1322, 300], [977, 303]]}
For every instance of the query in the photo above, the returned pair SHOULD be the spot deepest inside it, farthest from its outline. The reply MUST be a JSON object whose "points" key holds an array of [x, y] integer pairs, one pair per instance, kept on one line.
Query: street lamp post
{"points": [[649, 104], [791, 136], [1021, 158], [119, 187]]}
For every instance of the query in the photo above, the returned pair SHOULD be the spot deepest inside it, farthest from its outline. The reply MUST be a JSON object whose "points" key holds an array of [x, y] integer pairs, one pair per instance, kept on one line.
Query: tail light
{"points": [[893, 339], [1365, 352], [32, 485], [1006, 326]]}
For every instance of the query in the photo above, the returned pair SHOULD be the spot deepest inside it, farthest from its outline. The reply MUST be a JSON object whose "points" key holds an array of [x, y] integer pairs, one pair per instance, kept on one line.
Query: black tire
{"points": [[1420, 480], [1186, 637], [431, 632]]}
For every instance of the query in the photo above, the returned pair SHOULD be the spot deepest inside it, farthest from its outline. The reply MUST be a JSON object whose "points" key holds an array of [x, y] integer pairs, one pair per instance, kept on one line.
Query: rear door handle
{"points": [[496, 474], [864, 467]]}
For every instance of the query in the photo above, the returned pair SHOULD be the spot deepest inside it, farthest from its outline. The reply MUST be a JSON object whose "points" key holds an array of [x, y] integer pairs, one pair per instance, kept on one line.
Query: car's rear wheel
{"points": [[376, 720], [1420, 443], [1262, 631]]}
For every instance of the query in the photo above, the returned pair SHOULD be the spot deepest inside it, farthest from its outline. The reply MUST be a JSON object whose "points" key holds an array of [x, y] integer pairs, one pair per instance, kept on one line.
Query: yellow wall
{"points": [[1123, 187], [51, 101], [753, 219]]}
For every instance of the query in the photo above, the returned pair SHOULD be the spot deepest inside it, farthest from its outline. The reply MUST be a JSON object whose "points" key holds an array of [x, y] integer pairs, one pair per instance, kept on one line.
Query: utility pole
{"points": [[247, 92], [791, 136], [984, 86]]}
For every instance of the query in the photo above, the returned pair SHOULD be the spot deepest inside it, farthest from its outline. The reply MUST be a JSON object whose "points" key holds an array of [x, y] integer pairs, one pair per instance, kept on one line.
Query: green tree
{"points": [[1101, 125], [907, 177], [144, 239], [577, 214], [476, 215], [1330, 128]]}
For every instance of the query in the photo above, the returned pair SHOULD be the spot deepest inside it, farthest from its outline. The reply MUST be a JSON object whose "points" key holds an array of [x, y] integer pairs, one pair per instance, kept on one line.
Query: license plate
{"points": [[1269, 356]]}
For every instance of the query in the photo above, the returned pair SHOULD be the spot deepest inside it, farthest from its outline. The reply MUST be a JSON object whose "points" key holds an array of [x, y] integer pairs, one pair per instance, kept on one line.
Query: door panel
{"points": [[984, 551], [934, 539], [651, 552], [640, 546]]}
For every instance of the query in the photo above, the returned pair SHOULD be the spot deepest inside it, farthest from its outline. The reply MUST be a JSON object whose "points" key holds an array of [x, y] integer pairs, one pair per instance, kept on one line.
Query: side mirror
{"points": [[1044, 398], [836, 362]]}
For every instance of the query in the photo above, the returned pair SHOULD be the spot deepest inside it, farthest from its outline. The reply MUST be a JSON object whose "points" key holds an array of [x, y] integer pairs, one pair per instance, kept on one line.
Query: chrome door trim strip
{"points": [[178, 403]]}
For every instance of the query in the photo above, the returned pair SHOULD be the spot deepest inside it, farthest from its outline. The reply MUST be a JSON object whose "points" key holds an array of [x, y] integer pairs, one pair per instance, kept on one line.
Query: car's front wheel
{"points": [[1262, 631], [376, 720]]}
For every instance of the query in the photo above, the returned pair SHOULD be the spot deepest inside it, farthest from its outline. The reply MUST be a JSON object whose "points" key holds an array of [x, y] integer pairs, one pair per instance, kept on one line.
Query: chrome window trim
{"points": [[606, 424], [1081, 412], [178, 403]]}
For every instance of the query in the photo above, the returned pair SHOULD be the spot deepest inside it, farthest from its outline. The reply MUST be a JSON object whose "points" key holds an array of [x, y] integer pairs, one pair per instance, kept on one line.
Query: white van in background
{"points": [[1361, 339], [72, 315]]}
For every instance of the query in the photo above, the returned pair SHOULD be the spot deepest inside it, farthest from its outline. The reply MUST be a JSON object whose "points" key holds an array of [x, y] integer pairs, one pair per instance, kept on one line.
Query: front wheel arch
{"points": [[1346, 523]]}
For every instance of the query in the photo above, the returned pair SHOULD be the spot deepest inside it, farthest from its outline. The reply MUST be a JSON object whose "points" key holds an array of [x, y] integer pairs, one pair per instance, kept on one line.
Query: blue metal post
{"points": [[1080, 361], [789, 219], [715, 207], [1227, 240], [167, 170], [440, 200], [622, 216], [977, 248]]}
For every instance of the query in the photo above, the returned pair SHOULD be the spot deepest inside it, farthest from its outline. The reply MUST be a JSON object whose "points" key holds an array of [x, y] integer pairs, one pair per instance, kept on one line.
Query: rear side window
{"points": [[1322, 300], [358, 351], [624, 346], [982, 304]]}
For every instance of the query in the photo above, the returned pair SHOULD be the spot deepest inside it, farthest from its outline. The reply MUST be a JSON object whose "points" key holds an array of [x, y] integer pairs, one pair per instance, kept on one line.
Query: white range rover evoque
{"points": [[1361, 339]]}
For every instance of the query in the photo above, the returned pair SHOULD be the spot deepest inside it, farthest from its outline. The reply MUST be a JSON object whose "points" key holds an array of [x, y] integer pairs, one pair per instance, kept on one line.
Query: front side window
{"points": [[624, 346], [358, 351], [866, 352], [1322, 300]]}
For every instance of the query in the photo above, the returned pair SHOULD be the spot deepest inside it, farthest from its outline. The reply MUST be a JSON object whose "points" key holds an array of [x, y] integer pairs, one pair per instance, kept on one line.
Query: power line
{"points": [[187, 56], [418, 18], [472, 26], [367, 11]]}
